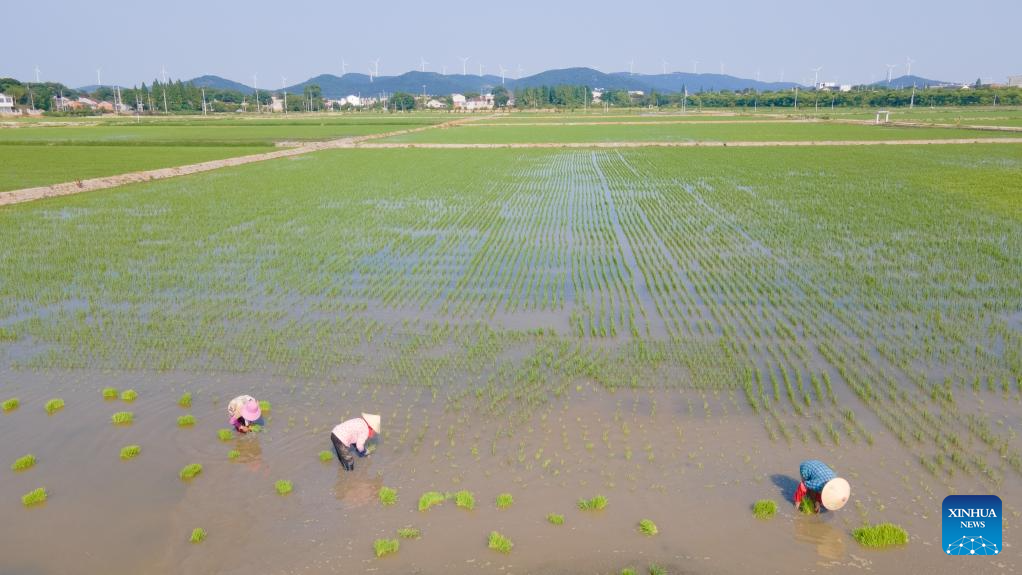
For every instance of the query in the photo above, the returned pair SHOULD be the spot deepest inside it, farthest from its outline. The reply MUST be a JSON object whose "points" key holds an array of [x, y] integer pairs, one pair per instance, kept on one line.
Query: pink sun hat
{"points": [[250, 410]]}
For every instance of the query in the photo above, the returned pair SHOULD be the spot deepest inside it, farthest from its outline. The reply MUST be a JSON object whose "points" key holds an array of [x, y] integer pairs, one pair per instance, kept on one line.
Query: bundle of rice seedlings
{"points": [[594, 504], [54, 405], [764, 508], [386, 546], [504, 500], [189, 471], [387, 495], [880, 536], [283, 487], [129, 395], [647, 527], [34, 497], [429, 499], [22, 463], [555, 519], [198, 535], [122, 418], [130, 451], [500, 543]]}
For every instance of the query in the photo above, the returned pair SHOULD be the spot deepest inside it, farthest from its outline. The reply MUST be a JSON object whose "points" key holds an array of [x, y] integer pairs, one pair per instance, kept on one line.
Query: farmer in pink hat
{"points": [[353, 435], [243, 411]]}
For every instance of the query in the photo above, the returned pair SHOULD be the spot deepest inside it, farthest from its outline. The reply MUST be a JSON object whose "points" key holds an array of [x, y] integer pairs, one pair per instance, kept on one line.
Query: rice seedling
{"points": [[109, 393], [764, 509], [655, 569], [130, 451], [255, 428], [185, 400], [34, 497], [807, 506], [555, 519], [429, 499], [265, 406], [504, 500], [880, 536], [198, 535], [384, 547], [54, 405], [10, 404], [628, 571], [594, 504], [283, 486], [185, 420], [500, 543], [225, 434], [325, 456], [24, 462], [233, 454], [409, 533], [129, 395], [465, 499], [647, 527], [189, 471], [122, 418], [386, 495]]}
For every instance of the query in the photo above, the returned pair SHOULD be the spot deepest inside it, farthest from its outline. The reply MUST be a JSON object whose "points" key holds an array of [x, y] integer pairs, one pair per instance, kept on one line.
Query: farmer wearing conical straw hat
{"points": [[822, 486], [243, 411], [353, 435]]}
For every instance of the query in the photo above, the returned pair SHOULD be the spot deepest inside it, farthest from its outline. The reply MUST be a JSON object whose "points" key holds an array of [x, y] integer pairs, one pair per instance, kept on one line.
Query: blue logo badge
{"points": [[971, 525]]}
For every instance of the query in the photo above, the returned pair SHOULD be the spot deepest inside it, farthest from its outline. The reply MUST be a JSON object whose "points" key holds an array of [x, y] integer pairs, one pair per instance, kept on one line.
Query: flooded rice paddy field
{"points": [[672, 329]]}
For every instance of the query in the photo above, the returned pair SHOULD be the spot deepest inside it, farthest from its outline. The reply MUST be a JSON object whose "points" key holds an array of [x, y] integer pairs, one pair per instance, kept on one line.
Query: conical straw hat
{"points": [[372, 420], [835, 494]]}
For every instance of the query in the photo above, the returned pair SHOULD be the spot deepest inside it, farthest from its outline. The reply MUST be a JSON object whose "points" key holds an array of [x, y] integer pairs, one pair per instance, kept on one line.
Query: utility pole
{"points": [[796, 97], [283, 88], [203, 101], [912, 102]]}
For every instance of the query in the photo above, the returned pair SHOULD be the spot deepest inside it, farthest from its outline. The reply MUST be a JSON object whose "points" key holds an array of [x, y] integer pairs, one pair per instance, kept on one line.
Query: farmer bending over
{"points": [[822, 486], [243, 411], [353, 434]]}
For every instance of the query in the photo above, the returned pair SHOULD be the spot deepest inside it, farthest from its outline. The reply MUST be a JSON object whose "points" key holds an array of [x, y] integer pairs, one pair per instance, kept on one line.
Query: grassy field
{"points": [[32, 165], [688, 132]]}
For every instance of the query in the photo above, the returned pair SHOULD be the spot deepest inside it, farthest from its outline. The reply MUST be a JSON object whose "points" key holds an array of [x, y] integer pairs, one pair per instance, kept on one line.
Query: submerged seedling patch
{"points": [[429, 499], [24, 462], [109, 393], [198, 535], [185, 400], [465, 499], [880, 536], [764, 508], [499, 542], [555, 519], [186, 420], [189, 471], [264, 406], [284, 486], [409, 533], [54, 405], [10, 404], [387, 495], [647, 527], [130, 451], [129, 395], [225, 434], [122, 418], [325, 456], [384, 547], [233, 454], [34, 497], [504, 500]]}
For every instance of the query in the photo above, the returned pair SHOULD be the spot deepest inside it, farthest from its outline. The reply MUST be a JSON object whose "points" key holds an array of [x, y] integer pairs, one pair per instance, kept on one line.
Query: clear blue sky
{"points": [[131, 41]]}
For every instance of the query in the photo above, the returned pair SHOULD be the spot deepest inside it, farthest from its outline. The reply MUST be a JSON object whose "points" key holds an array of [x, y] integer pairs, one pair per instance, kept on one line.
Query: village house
{"points": [[6, 104]]}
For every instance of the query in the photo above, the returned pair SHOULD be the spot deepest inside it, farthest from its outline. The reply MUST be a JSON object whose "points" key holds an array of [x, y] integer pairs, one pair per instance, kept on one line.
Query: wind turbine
{"points": [[376, 69], [631, 67], [908, 65], [520, 71], [663, 65], [721, 68], [816, 82], [481, 68], [344, 67], [464, 61], [695, 66], [890, 68], [37, 73], [502, 71], [422, 64], [99, 81]]}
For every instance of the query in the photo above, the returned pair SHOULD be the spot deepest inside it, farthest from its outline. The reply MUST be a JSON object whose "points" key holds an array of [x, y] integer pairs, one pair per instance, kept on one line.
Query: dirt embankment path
{"points": [[702, 144], [93, 184]]}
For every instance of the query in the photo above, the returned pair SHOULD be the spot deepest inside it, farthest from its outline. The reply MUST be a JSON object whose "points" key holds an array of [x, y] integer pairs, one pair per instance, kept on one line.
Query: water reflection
{"points": [[356, 489], [829, 541]]}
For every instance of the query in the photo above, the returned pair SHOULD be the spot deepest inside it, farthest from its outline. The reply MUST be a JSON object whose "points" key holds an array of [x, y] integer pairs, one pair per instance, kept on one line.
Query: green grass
{"points": [[185, 420], [387, 495], [185, 400], [504, 500], [764, 509], [465, 499], [409, 533], [500, 543], [122, 418], [189, 471], [225, 434], [326, 456], [880, 536], [384, 547], [596, 503], [34, 497], [24, 462], [429, 499], [555, 519], [647, 527], [283, 487], [10, 404], [198, 535], [40, 165], [130, 451], [129, 395], [54, 405], [233, 454], [109, 393]]}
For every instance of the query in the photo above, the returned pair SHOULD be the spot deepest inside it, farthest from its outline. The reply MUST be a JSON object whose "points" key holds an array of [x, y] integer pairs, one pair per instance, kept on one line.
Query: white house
{"points": [[276, 104], [435, 104], [352, 100], [458, 100], [88, 102], [6, 104], [484, 102]]}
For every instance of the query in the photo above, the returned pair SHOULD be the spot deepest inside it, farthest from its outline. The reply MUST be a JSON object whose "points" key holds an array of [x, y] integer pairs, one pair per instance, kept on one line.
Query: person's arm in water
{"points": [[241, 425], [360, 445]]}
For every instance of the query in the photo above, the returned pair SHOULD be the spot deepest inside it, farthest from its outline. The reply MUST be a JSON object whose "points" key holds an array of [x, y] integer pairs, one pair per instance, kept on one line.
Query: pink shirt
{"points": [[353, 431]]}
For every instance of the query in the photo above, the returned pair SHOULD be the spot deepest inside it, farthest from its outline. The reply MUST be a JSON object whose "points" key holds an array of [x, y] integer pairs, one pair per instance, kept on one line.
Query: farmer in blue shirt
{"points": [[822, 486]]}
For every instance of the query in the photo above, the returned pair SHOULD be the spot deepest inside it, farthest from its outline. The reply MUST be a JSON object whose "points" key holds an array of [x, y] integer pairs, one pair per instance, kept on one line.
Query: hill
{"points": [[219, 83], [909, 81]]}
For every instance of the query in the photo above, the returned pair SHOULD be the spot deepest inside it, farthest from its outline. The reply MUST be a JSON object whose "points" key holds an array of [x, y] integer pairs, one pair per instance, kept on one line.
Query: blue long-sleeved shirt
{"points": [[815, 474]]}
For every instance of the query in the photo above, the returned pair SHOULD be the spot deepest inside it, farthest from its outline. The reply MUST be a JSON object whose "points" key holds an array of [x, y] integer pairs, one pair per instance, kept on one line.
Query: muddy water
{"points": [[691, 462]]}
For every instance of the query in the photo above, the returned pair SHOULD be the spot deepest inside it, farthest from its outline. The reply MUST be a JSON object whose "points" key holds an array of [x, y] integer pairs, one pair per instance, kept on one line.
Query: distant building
{"points": [[1015, 81], [353, 101], [435, 104], [105, 107], [484, 102], [597, 95], [6, 104], [458, 101], [276, 104], [636, 93]]}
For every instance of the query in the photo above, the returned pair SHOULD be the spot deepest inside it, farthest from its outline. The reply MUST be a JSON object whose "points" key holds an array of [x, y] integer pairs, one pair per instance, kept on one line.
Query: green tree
{"points": [[401, 101]]}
